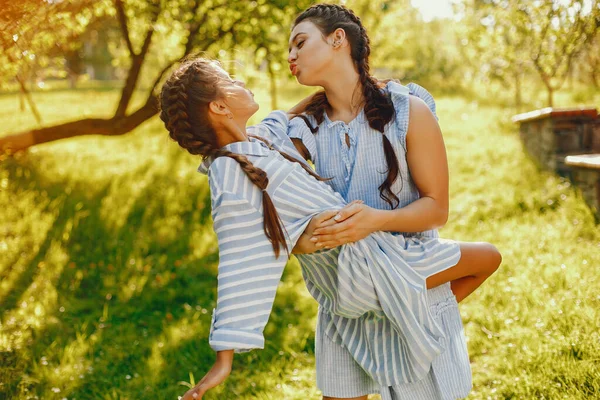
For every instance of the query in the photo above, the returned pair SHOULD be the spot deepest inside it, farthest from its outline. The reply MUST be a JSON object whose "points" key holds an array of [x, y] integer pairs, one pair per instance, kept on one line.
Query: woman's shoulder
{"points": [[401, 97]]}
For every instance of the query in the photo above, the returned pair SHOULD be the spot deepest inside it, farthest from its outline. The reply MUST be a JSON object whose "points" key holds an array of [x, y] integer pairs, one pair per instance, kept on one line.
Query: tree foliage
{"points": [[180, 27], [512, 36]]}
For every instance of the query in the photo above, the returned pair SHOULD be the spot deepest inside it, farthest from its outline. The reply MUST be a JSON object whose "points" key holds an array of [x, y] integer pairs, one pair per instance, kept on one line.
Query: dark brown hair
{"points": [[184, 101], [379, 109]]}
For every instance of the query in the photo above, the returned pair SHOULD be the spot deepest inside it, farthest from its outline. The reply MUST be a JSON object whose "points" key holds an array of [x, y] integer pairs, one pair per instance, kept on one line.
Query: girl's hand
{"points": [[217, 375], [354, 222], [304, 245]]}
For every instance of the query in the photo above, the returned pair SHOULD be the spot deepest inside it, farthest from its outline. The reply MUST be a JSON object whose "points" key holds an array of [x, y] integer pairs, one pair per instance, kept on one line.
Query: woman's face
{"points": [[309, 54], [238, 99]]}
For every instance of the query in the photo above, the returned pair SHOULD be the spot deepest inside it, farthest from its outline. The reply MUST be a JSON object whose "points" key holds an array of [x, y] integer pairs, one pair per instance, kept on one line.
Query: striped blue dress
{"points": [[346, 365], [382, 276]]}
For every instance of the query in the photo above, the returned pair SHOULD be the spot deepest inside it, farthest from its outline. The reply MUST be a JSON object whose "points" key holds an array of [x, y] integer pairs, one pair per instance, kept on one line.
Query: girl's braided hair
{"points": [[184, 102]]}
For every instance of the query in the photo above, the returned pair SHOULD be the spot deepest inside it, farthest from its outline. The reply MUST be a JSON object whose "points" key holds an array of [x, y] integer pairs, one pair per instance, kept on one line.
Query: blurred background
{"points": [[107, 256]]}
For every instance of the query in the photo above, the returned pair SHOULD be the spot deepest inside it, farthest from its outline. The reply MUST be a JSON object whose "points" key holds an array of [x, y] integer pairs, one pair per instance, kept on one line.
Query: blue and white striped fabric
{"points": [[382, 275], [357, 173]]}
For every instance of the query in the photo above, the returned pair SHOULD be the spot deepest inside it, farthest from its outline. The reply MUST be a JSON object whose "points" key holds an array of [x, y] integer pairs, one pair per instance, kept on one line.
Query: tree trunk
{"points": [[594, 77], [231, 62], [27, 96], [549, 90], [272, 84], [89, 126], [130, 82]]}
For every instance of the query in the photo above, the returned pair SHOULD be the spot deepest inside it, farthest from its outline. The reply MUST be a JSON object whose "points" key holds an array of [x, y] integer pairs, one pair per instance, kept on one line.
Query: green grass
{"points": [[108, 267]]}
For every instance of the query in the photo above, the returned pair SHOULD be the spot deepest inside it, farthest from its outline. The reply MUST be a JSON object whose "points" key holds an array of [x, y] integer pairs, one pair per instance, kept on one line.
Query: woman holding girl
{"points": [[206, 112], [387, 150]]}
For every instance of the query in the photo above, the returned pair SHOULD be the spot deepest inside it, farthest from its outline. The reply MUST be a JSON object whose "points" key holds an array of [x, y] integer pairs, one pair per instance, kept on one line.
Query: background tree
{"points": [[495, 45], [514, 35], [187, 26]]}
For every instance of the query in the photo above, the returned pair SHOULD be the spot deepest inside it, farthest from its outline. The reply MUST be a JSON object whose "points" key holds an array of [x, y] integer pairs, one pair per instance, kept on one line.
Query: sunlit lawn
{"points": [[108, 266]]}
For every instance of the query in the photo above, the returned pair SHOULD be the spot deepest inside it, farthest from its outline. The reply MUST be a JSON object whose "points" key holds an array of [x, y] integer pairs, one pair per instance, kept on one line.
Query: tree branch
{"points": [[123, 23]]}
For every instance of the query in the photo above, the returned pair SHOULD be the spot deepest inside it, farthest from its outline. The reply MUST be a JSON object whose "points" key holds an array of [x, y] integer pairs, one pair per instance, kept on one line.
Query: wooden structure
{"points": [[585, 173], [551, 134], [566, 141]]}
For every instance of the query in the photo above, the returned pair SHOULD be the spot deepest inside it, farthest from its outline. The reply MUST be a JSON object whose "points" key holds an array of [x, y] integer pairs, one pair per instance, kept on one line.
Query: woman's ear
{"points": [[338, 37]]}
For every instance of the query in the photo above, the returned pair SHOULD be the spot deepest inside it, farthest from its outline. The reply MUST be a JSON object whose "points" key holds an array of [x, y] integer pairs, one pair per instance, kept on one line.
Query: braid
{"points": [[272, 224], [184, 100], [292, 159], [378, 108]]}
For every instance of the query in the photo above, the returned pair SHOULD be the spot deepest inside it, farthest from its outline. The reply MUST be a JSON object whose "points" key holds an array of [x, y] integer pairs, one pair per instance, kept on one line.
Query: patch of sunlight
{"points": [[67, 368], [156, 361], [95, 160], [27, 226], [134, 286], [186, 328], [116, 206], [38, 304], [203, 241]]}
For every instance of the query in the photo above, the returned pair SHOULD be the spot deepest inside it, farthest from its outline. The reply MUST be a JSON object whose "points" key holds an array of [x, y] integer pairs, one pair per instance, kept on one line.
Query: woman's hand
{"points": [[354, 222], [383, 82], [301, 106], [304, 245], [217, 375]]}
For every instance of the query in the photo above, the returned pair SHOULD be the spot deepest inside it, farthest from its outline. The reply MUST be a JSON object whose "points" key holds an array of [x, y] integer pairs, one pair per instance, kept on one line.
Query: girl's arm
{"points": [[276, 128], [217, 375], [248, 272], [426, 157]]}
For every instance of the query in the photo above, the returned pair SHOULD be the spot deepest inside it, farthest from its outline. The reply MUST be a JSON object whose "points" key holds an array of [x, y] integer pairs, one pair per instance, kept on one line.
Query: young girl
{"points": [[263, 198]]}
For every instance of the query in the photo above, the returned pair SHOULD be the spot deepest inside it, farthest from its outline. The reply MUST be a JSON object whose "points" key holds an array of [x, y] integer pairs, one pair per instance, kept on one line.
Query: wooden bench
{"points": [[585, 173]]}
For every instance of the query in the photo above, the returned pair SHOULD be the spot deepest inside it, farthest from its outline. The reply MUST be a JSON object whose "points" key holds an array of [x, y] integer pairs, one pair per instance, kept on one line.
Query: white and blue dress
{"points": [[344, 368], [378, 281]]}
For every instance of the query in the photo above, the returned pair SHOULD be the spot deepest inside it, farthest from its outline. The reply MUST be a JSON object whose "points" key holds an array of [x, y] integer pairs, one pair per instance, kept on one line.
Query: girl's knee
{"points": [[495, 257]]}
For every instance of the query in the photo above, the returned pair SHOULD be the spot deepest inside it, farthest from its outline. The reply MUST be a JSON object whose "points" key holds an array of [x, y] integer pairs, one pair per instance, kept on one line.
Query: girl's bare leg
{"points": [[478, 262]]}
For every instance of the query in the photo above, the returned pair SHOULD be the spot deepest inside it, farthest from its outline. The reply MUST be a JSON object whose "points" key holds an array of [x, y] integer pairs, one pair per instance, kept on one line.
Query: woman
{"points": [[388, 151], [206, 112]]}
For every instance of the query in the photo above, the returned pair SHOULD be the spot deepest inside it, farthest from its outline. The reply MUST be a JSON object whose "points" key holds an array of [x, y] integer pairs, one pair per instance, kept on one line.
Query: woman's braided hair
{"points": [[184, 101], [378, 108]]}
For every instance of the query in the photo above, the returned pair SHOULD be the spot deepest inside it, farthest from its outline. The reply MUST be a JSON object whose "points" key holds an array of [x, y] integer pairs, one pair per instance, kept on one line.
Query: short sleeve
{"points": [[298, 129], [424, 95], [400, 96]]}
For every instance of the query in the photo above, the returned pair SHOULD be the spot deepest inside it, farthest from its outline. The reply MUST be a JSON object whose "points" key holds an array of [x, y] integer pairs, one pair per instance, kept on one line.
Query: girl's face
{"points": [[238, 99], [309, 54]]}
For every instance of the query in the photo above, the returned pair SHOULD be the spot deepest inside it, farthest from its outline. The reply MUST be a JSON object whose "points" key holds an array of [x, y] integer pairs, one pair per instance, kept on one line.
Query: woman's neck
{"points": [[344, 93]]}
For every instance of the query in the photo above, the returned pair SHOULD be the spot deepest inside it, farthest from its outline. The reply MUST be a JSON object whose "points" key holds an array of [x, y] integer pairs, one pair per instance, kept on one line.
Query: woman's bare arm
{"points": [[428, 165]]}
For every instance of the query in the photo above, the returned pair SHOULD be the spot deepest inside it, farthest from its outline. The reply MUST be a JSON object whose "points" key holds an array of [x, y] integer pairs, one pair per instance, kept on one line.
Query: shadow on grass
{"points": [[130, 312]]}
